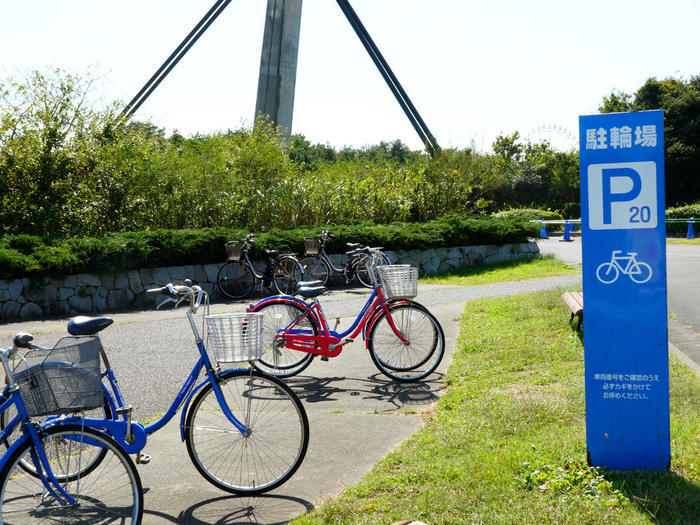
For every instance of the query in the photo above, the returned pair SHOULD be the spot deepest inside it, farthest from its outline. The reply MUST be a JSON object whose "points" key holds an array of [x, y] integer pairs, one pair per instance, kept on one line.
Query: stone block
{"points": [[491, 249], [199, 274], [4, 295], [87, 279], [108, 280], [65, 293], [147, 280], [30, 310], [134, 281], [121, 281], [82, 303], [534, 247], [60, 308], [117, 299], [43, 295], [211, 271], [16, 287], [161, 276], [4, 285], [10, 310]]}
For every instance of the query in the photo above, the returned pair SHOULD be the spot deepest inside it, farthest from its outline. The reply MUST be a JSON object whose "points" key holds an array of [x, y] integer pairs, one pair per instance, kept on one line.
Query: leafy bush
{"points": [[134, 250], [531, 214], [691, 211]]}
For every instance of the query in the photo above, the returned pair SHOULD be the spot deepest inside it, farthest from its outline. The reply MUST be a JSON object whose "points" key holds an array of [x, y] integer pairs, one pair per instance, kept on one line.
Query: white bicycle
{"points": [[608, 272]]}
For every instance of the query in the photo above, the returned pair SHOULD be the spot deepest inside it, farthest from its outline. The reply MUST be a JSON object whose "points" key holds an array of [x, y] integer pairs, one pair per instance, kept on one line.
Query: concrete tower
{"points": [[278, 62]]}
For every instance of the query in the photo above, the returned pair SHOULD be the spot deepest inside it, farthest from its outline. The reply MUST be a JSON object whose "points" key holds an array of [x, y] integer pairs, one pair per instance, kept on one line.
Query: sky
{"points": [[473, 69]]}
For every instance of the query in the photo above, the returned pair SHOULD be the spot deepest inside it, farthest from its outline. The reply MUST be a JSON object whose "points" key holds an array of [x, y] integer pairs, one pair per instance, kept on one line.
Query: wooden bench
{"points": [[574, 300]]}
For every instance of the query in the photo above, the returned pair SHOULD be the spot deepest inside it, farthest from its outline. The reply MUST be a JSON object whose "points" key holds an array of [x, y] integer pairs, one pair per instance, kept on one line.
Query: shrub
{"points": [[147, 249], [691, 211], [532, 214]]}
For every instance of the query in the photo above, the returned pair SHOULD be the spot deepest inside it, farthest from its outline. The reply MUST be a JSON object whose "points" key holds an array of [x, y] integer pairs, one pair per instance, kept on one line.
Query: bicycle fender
{"points": [[274, 299], [195, 390], [112, 427], [15, 444]]}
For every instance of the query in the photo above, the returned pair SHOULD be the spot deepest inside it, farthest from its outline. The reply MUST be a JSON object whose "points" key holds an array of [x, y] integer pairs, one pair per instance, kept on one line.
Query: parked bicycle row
{"points": [[238, 277], [68, 431]]}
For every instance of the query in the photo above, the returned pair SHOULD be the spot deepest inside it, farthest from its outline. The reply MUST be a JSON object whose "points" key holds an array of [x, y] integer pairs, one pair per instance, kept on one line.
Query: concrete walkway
{"points": [[356, 414]]}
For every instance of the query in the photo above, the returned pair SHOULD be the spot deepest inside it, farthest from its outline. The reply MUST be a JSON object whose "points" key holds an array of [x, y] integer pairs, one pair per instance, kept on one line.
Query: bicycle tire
{"points": [[363, 273], [235, 280], [286, 275], [604, 276], [113, 487], [282, 361], [279, 433], [644, 271], [105, 412], [415, 360], [315, 269]]}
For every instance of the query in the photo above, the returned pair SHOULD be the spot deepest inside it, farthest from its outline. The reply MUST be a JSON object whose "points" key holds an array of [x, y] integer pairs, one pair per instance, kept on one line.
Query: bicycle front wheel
{"points": [[422, 350], [277, 359], [286, 276], [256, 461], [110, 493], [235, 280], [362, 270], [315, 269]]}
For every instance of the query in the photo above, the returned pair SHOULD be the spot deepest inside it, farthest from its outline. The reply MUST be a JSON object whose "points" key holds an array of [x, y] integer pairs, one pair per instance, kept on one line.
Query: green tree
{"points": [[680, 100]]}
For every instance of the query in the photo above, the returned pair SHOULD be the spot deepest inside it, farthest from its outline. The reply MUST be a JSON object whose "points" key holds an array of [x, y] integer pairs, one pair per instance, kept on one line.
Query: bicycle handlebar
{"points": [[195, 292]]}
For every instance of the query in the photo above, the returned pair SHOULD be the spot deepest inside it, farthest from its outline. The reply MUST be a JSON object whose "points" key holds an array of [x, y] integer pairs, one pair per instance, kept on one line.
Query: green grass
{"points": [[519, 270], [683, 241], [507, 442]]}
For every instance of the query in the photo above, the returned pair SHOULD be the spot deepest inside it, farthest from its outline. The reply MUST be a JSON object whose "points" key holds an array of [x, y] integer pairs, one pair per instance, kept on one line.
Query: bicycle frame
{"points": [[631, 262], [329, 343], [187, 391]]}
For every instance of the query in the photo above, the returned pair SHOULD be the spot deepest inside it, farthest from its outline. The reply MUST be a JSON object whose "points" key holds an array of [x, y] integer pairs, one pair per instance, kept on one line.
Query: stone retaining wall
{"points": [[108, 292]]}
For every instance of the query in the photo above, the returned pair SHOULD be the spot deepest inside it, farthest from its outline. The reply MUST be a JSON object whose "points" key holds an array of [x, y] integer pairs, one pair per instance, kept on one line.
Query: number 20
{"points": [[638, 214]]}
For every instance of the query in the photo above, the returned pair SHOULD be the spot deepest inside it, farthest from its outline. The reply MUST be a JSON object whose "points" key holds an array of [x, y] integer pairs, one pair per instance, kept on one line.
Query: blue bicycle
{"points": [[63, 470], [245, 432]]}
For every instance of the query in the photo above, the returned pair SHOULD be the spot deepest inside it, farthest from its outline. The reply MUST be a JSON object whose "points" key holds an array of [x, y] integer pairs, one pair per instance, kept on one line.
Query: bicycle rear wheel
{"points": [[110, 493], [277, 359], [362, 270], [235, 280], [286, 276], [315, 269], [261, 459], [420, 355]]}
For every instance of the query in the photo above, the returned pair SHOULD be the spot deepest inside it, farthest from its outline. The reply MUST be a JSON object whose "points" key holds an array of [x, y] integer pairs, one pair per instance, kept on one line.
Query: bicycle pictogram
{"points": [[608, 272]]}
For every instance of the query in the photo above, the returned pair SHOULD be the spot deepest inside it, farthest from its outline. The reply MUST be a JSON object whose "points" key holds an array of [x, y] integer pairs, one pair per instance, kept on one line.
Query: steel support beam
{"points": [[278, 62]]}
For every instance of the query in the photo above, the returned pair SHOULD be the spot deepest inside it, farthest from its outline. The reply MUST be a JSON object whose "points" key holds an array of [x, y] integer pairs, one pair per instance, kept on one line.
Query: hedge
{"points": [[31, 256], [691, 211]]}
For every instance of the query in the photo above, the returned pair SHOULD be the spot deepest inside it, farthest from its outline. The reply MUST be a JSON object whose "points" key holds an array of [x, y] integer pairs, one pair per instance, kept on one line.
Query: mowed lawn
{"points": [[506, 442]]}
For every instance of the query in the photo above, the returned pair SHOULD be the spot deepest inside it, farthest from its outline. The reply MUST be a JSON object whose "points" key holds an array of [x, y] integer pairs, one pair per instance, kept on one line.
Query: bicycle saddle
{"points": [[272, 253], [83, 325], [353, 245], [311, 291]]}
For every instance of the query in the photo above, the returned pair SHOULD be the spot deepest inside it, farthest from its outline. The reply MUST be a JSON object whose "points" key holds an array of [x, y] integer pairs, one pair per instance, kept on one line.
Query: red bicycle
{"points": [[405, 341]]}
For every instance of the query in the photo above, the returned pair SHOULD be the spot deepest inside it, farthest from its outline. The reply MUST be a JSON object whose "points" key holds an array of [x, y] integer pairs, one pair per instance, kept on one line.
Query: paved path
{"points": [[683, 281], [356, 414]]}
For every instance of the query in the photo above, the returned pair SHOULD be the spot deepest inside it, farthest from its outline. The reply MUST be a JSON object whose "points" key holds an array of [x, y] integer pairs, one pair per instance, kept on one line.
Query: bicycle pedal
{"points": [[142, 459], [324, 358]]}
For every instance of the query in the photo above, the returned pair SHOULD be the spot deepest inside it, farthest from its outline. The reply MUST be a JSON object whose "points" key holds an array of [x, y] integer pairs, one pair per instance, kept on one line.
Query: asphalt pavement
{"points": [[683, 292], [356, 414]]}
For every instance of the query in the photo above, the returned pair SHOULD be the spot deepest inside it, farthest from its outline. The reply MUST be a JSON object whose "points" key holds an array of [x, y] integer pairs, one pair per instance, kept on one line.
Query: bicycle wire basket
{"points": [[234, 250], [62, 380], [235, 337], [399, 281], [312, 245]]}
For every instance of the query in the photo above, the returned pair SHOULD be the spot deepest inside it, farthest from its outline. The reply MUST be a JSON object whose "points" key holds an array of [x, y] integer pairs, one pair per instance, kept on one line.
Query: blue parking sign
{"points": [[624, 284]]}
